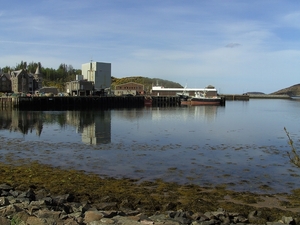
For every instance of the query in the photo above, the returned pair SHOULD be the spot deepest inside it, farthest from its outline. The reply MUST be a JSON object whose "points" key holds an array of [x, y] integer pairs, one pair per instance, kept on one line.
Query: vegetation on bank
{"points": [[292, 91], [51, 77], [293, 155], [147, 82], [65, 73]]}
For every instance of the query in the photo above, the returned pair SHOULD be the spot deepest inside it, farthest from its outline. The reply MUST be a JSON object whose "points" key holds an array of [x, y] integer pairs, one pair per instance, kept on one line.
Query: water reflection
{"points": [[238, 145], [94, 126], [207, 113], [20, 121]]}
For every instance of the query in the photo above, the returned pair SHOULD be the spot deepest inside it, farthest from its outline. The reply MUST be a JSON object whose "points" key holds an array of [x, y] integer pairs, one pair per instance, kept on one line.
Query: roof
{"points": [[5, 75], [160, 88], [17, 72], [124, 84], [38, 72], [53, 90]]}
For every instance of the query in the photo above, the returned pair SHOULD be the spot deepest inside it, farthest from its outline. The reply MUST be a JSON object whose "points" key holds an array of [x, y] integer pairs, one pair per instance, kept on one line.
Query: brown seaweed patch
{"points": [[148, 196]]}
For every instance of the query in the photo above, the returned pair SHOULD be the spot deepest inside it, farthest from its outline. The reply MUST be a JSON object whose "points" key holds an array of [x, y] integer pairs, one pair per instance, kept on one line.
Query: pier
{"points": [[235, 97], [71, 103], [108, 102], [84, 102], [246, 97], [165, 100]]}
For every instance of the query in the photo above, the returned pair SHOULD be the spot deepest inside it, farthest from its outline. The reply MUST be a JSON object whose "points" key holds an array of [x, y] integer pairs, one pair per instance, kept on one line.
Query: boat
{"points": [[148, 101], [184, 98], [296, 97], [200, 98]]}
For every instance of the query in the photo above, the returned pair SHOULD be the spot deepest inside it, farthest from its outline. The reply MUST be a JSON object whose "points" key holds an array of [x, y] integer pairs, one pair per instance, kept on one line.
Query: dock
{"points": [[83, 102], [246, 97], [165, 101], [108, 102], [71, 103], [235, 97]]}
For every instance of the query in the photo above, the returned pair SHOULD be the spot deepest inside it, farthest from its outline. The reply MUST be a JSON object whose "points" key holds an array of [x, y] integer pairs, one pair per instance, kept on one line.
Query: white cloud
{"points": [[226, 44], [292, 19], [232, 45]]}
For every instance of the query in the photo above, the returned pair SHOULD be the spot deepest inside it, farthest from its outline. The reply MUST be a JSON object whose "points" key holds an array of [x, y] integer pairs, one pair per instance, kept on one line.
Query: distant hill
{"points": [[254, 93], [292, 91], [147, 82]]}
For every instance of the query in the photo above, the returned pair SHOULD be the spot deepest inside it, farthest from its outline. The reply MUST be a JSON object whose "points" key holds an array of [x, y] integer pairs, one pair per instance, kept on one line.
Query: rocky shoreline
{"points": [[39, 207]]}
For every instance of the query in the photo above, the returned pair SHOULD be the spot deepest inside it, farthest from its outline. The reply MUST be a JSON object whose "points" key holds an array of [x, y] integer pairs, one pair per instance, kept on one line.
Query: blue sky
{"points": [[235, 45]]}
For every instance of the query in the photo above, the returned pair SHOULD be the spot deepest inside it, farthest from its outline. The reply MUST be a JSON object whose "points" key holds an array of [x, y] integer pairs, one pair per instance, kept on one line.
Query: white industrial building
{"points": [[99, 73]]}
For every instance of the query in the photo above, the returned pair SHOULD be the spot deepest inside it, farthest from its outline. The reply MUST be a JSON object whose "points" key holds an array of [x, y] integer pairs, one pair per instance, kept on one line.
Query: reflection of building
{"points": [[5, 119], [94, 126], [24, 121], [99, 132], [208, 112]]}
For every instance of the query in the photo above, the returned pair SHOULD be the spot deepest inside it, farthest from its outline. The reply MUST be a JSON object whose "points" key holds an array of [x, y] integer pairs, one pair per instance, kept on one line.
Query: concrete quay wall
{"points": [[71, 103], [252, 96], [106, 102], [271, 96]]}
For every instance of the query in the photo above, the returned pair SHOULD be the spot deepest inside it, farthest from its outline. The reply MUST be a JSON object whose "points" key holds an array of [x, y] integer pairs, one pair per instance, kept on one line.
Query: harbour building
{"points": [[99, 73]]}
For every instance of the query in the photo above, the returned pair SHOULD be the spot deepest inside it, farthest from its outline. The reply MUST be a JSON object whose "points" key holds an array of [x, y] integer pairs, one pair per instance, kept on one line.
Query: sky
{"points": [[235, 45]]}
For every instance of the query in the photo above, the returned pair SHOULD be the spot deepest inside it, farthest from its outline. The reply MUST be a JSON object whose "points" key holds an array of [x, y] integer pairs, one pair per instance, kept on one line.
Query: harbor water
{"points": [[242, 145]]}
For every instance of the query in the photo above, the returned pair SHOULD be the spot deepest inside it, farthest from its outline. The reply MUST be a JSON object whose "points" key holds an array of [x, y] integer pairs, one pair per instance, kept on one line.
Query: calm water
{"points": [[242, 145]]}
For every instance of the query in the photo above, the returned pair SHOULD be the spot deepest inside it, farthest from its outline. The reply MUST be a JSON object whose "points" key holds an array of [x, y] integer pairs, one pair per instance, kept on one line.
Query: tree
{"points": [[21, 65], [6, 69], [32, 67]]}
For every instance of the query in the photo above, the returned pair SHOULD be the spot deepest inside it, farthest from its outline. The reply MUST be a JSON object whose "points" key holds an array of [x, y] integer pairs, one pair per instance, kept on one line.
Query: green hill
{"points": [[147, 82], [292, 91]]}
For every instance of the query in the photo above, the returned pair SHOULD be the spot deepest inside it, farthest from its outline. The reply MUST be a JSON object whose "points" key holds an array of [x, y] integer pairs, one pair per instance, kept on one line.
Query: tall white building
{"points": [[99, 73]]}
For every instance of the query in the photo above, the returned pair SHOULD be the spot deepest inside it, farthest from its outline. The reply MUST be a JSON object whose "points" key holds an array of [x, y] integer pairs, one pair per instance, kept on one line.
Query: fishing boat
{"points": [[184, 98], [201, 98], [148, 101], [296, 97]]}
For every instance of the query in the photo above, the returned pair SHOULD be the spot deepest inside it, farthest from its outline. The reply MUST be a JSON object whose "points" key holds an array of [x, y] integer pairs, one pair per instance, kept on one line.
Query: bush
{"points": [[293, 155]]}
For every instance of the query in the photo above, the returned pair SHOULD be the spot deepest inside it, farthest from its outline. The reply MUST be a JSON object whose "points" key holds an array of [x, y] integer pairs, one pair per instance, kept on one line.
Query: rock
{"points": [[20, 216], [27, 207], [274, 223], [3, 201], [30, 195], [107, 205], [9, 211], [288, 220], [199, 216], [45, 213], [5, 187], [4, 221], [32, 220], [63, 198], [254, 217], [14, 193], [41, 194], [90, 216]]}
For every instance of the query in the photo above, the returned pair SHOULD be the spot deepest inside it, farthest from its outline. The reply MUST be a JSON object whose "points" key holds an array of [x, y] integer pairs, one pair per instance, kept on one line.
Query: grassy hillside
{"points": [[292, 90], [147, 82]]}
